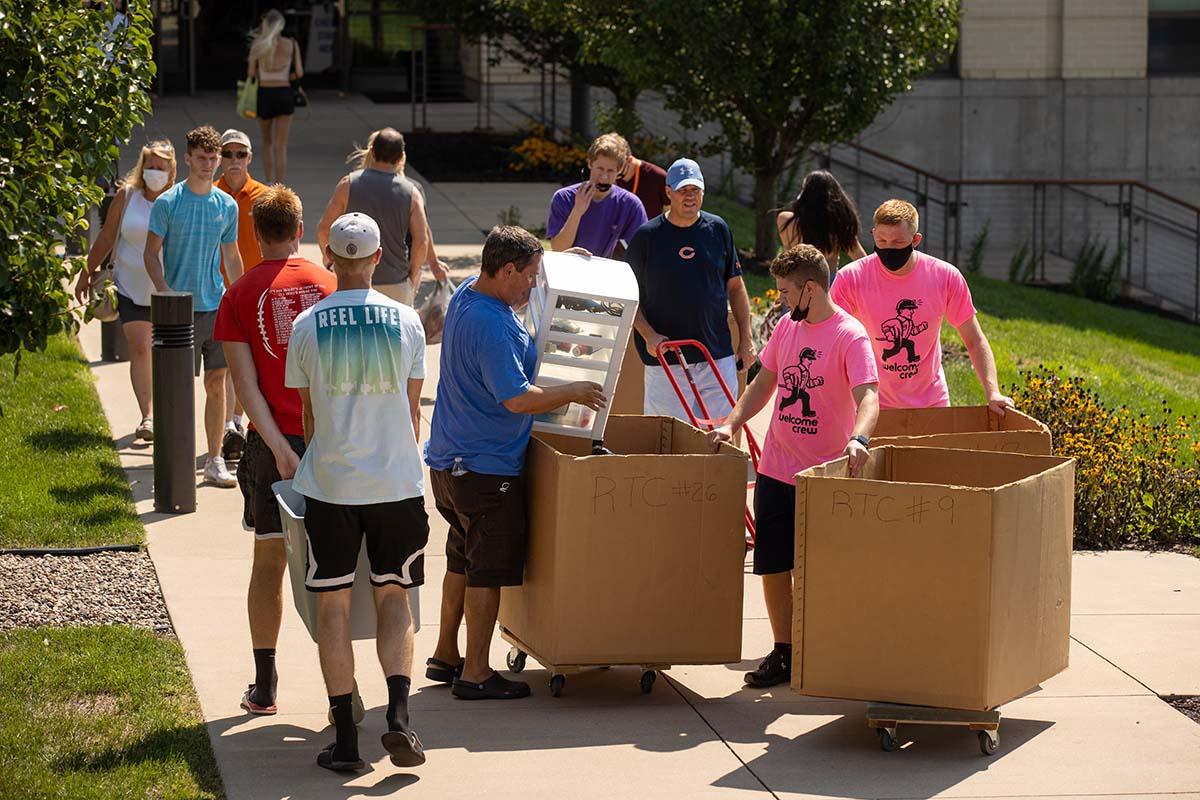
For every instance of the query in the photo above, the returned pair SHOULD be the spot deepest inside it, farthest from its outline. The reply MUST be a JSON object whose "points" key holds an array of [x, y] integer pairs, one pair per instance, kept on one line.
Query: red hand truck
{"points": [[707, 422]]}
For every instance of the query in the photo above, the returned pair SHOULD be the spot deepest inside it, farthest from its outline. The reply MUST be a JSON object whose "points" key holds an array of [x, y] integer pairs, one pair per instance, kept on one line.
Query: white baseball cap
{"points": [[354, 235], [234, 135]]}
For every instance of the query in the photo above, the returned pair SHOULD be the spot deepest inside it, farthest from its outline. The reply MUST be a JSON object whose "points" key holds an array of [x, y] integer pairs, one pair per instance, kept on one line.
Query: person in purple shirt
{"points": [[597, 215]]}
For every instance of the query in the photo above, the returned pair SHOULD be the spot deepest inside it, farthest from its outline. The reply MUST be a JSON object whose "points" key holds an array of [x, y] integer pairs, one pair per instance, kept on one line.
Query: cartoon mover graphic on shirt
{"points": [[899, 331], [798, 380]]}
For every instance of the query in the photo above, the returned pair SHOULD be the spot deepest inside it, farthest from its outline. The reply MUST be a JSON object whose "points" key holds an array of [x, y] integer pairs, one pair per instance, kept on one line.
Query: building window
{"points": [[1174, 46]]}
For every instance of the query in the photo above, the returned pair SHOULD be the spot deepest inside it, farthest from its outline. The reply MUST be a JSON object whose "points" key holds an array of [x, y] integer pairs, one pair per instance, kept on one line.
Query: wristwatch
{"points": [[863, 440]]}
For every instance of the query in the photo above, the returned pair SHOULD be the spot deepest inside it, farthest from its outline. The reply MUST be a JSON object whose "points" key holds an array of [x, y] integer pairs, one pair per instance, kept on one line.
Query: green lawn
{"points": [[740, 218], [1129, 357], [100, 713], [61, 482]]}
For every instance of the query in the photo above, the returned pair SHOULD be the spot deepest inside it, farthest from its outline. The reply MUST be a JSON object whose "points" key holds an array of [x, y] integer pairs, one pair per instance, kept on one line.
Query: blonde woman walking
{"points": [[124, 235], [275, 61]]}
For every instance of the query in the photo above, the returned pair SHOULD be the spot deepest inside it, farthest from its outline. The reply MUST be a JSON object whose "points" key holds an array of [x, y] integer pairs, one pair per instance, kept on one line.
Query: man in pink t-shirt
{"points": [[819, 367], [901, 296]]}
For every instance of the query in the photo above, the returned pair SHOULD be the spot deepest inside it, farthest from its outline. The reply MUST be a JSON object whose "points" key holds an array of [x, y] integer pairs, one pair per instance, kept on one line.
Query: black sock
{"points": [[343, 719], [265, 678], [397, 713], [784, 649]]}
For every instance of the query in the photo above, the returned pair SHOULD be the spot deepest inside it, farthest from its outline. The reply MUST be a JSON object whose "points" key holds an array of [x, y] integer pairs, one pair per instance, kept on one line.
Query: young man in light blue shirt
{"points": [[192, 225]]}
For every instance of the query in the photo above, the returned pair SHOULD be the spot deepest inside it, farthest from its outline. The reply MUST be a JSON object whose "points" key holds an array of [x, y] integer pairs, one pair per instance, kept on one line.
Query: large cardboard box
{"points": [[634, 558], [963, 428], [939, 578]]}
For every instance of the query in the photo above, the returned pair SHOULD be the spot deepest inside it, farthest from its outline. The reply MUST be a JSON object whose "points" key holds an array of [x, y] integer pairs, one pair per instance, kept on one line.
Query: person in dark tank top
{"points": [[392, 200]]}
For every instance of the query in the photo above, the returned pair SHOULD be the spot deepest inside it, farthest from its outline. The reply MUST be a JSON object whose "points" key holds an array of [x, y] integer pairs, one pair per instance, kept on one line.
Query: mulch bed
{"points": [[1184, 704]]}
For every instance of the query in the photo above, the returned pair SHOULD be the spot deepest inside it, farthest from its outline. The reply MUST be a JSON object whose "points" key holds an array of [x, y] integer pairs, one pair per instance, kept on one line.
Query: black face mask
{"points": [[603, 187], [894, 257], [800, 314]]}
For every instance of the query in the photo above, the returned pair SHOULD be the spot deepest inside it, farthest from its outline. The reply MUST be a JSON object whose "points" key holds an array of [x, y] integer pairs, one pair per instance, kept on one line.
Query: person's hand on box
{"points": [[588, 394], [579, 251], [719, 436], [999, 403], [856, 457]]}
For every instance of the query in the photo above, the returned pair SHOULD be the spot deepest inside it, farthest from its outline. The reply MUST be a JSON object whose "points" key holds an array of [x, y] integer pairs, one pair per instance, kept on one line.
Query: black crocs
{"points": [[496, 687], [440, 671]]}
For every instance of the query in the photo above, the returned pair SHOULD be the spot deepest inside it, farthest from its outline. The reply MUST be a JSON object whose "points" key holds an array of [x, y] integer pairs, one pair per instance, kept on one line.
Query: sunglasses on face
{"points": [[239, 155]]}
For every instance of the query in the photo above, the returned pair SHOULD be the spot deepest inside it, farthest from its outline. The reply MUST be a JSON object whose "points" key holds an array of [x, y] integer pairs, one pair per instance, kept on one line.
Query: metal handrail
{"points": [[1156, 233], [1022, 181]]}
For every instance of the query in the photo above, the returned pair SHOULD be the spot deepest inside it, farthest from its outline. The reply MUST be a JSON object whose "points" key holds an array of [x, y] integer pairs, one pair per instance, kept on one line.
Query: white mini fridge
{"points": [[581, 315]]}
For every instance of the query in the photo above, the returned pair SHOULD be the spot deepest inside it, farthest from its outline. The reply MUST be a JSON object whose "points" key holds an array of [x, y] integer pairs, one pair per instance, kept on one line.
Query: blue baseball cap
{"points": [[684, 172]]}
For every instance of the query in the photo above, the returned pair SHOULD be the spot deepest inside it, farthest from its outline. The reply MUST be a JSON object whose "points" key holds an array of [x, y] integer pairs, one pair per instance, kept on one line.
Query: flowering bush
{"points": [[765, 311], [539, 152], [1136, 479]]}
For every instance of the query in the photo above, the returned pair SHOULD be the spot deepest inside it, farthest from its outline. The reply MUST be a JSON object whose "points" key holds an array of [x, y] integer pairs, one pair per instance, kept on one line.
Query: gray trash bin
{"points": [[362, 610]]}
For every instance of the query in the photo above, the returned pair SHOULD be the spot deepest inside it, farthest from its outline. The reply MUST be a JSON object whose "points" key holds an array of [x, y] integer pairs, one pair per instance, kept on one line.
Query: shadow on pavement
{"points": [[819, 747]]}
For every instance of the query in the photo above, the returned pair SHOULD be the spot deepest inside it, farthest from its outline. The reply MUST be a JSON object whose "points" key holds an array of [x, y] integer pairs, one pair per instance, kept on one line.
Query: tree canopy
{"points": [[74, 84]]}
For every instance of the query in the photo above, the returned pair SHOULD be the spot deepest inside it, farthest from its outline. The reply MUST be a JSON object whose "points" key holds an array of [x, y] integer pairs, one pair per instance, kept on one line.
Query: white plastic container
{"points": [[581, 315], [362, 599]]}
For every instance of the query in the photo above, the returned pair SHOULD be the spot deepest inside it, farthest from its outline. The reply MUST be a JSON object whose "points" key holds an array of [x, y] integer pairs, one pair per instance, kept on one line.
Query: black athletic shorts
{"points": [[396, 537], [487, 526], [129, 311], [256, 474], [774, 526], [275, 101]]}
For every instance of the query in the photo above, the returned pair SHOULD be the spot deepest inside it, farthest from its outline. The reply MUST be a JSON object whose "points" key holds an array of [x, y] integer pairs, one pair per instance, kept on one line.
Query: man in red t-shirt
{"points": [[254, 324], [648, 181]]}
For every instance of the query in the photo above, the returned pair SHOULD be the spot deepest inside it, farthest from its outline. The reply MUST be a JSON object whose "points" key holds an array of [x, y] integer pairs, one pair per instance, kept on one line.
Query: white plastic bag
{"points": [[433, 311]]}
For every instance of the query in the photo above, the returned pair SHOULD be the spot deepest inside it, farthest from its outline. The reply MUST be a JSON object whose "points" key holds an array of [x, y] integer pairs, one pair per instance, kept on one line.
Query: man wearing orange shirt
{"points": [[236, 182]]}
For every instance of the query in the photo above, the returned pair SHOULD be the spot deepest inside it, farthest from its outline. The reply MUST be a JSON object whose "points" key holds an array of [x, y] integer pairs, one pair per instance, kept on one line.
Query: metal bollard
{"points": [[174, 402], [113, 344]]}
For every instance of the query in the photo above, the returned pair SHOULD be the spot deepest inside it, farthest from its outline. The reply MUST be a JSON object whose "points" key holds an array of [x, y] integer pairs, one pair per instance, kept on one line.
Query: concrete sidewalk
{"points": [[1097, 730]]}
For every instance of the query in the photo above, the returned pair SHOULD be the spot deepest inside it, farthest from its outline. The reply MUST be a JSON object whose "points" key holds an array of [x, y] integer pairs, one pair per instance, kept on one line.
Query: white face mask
{"points": [[155, 179]]}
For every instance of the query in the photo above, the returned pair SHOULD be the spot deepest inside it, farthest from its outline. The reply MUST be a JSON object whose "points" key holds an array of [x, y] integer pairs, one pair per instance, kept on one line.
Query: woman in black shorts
{"points": [[275, 61], [124, 237]]}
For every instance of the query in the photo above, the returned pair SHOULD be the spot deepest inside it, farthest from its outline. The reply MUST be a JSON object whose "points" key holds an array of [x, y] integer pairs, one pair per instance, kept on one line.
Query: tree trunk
{"points": [[766, 238], [581, 108], [628, 123]]}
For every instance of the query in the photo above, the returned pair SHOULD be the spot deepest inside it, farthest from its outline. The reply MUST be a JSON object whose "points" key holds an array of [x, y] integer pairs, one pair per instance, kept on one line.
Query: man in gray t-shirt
{"points": [[393, 201]]}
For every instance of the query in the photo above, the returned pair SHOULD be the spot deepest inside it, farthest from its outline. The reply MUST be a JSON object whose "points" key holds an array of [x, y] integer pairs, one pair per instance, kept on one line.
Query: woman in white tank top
{"points": [[124, 236], [275, 61]]}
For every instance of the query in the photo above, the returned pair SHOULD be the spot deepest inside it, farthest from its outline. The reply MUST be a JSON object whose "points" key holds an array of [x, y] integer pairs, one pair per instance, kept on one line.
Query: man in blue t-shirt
{"points": [[476, 450], [597, 215], [192, 225], [689, 278]]}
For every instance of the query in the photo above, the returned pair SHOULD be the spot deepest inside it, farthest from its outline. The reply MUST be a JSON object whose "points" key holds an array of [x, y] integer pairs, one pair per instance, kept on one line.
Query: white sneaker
{"points": [[216, 473]]}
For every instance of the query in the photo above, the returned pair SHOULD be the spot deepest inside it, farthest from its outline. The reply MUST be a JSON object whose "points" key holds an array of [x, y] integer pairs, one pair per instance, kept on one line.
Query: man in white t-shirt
{"points": [[358, 359]]}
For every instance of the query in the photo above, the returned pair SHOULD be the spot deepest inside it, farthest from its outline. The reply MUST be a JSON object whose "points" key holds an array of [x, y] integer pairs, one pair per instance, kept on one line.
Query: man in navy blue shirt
{"points": [[476, 450], [689, 278]]}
